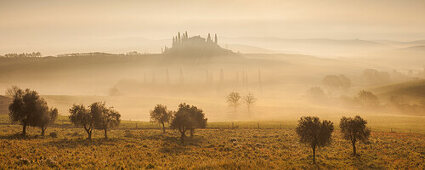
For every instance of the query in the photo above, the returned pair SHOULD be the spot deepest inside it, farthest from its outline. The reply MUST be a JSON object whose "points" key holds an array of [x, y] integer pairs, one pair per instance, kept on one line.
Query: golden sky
{"points": [[84, 25]]}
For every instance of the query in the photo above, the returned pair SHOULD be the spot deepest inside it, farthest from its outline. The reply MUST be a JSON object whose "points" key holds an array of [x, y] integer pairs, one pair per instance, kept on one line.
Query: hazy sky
{"points": [[57, 26]]}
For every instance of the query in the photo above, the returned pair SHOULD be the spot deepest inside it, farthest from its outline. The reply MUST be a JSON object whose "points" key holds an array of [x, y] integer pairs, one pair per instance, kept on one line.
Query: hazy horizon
{"points": [[57, 27]]}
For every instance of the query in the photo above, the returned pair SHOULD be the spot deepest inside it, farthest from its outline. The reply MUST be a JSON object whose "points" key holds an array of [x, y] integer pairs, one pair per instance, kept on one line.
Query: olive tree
{"points": [[105, 118], [336, 83], [81, 116], [188, 118], [161, 115], [47, 119], [233, 99], [354, 129], [198, 118], [314, 133], [28, 108]]}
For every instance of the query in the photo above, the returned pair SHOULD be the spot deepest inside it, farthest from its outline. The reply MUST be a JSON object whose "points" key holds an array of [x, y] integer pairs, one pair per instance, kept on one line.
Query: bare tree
{"points": [[249, 100], [233, 99], [161, 115], [10, 92], [314, 133], [354, 129]]}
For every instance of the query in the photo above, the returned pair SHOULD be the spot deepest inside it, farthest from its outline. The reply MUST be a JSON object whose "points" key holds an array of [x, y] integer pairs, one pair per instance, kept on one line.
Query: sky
{"points": [[63, 26]]}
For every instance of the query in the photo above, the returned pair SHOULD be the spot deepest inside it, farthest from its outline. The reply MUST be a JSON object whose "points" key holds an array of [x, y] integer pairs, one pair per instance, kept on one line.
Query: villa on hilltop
{"points": [[183, 45]]}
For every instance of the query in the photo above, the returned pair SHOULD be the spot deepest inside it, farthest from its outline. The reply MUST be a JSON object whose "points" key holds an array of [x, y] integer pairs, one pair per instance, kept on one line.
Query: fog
{"points": [[296, 58], [57, 27]]}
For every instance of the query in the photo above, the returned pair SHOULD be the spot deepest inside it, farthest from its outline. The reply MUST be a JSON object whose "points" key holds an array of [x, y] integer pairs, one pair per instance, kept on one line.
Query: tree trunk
{"points": [[89, 137], [314, 154], [192, 131], [24, 129], [106, 133], [43, 129], [182, 136], [354, 148], [88, 134], [163, 128]]}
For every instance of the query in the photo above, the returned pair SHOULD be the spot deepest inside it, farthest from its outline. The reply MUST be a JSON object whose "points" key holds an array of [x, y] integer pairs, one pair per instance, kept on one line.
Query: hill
{"points": [[249, 49], [410, 89], [195, 46], [417, 48], [4, 104], [316, 47]]}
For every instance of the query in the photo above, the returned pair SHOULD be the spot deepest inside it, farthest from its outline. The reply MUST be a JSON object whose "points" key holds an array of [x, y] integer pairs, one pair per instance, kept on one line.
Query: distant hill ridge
{"points": [[414, 89]]}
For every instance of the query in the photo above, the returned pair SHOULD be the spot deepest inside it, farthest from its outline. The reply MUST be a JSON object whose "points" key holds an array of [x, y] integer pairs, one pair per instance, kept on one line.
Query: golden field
{"points": [[217, 147]]}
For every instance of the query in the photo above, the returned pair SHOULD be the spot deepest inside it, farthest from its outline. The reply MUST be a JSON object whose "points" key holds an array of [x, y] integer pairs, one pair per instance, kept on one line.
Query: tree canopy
{"points": [[161, 115], [97, 115], [105, 118], [315, 133], [233, 99], [29, 109], [188, 118], [368, 99], [354, 129], [81, 116]]}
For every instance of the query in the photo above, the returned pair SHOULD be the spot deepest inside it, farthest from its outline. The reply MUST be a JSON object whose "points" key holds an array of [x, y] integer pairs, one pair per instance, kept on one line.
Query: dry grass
{"points": [[220, 148]]}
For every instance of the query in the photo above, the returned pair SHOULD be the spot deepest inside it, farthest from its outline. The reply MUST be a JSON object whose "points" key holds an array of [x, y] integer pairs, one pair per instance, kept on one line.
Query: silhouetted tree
{"points": [[46, 119], [336, 82], [188, 118], [10, 92], [314, 133], [316, 94], [27, 108], [233, 99], [114, 91], [249, 100], [161, 115], [209, 40], [199, 119], [368, 99], [354, 129], [373, 76], [81, 116], [105, 118]]}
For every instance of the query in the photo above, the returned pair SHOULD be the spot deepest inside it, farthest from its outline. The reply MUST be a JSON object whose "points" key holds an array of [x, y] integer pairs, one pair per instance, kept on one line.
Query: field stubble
{"points": [[218, 148]]}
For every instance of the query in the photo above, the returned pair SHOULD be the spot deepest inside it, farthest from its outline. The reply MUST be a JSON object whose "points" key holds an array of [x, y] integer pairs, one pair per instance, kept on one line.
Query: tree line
{"points": [[22, 55], [29, 109]]}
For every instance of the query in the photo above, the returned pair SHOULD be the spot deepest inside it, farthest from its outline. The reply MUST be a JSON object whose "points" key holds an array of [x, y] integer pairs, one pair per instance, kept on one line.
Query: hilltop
{"points": [[195, 46]]}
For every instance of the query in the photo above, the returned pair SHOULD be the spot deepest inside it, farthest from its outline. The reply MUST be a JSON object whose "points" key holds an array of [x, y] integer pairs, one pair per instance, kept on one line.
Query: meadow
{"points": [[245, 145]]}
